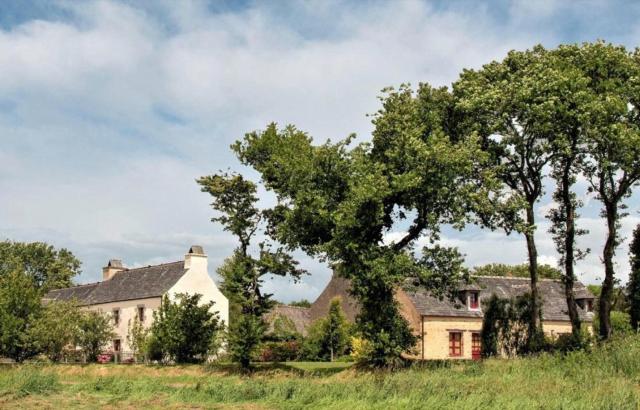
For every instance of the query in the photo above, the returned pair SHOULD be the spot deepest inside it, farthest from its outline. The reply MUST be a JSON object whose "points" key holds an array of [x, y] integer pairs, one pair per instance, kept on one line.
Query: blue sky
{"points": [[109, 110]]}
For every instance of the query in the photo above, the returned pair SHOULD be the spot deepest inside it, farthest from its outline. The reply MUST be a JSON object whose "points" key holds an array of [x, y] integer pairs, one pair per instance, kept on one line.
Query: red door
{"points": [[475, 346]]}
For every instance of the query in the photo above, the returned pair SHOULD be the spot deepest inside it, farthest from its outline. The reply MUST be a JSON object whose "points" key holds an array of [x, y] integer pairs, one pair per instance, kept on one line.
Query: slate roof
{"points": [[129, 284], [551, 291]]}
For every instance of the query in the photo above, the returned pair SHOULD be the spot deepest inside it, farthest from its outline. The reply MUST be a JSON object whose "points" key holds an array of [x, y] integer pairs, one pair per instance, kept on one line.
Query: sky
{"points": [[109, 110]]}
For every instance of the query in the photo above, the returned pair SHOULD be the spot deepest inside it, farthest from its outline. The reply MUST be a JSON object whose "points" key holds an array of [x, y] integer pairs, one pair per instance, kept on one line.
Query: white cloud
{"points": [[106, 118]]}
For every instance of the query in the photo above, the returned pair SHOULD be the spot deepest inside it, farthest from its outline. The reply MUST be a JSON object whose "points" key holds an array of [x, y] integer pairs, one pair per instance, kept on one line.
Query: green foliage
{"points": [[56, 329], [27, 271], [518, 271], [505, 327], [94, 333], [283, 329], [633, 287], [301, 303], [339, 202], [328, 337], [246, 332], [47, 267], [138, 338], [620, 323], [19, 307], [603, 378], [279, 351], [183, 330], [234, 198]]}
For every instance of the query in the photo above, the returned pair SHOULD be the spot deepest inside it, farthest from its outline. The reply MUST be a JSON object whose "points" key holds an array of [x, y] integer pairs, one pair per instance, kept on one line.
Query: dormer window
{"points": [[474, 301]]}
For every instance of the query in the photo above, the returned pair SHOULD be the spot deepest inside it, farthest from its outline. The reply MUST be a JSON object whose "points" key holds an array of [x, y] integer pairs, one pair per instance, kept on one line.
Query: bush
{"points": [[279, 351], [182, 331], [566, 342]]}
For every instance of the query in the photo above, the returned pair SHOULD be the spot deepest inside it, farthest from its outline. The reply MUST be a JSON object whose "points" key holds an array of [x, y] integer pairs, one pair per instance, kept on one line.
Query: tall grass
{"points": [[27, 380], [605, 378]]}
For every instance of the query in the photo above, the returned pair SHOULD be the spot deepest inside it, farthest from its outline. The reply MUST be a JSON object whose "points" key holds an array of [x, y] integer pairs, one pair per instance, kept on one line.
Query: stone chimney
{"points": [[195, 258], [114, 266]]}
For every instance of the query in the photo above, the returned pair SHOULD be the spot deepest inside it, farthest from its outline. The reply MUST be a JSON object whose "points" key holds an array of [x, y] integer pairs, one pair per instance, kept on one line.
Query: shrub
{"points": [[182, 331], [95, 331], [279, 351]]}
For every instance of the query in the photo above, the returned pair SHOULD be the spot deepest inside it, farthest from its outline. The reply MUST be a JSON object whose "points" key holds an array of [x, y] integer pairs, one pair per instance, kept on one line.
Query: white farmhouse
{"points": [[127, 293]]}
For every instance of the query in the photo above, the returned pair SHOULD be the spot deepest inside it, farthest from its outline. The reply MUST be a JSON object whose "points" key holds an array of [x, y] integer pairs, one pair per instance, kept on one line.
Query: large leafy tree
{"points": [[47, 267], [234, 198], [633, 288], [611, 135], [27, 272], [363, 208], [56, 329], [20, 307], [505, 102]]}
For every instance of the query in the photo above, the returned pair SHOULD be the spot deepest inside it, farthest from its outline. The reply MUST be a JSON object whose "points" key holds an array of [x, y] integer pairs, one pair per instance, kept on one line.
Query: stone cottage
{"points": [[448, 329]]}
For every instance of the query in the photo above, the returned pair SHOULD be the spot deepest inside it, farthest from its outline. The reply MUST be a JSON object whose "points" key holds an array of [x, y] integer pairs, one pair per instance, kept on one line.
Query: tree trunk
{"points": [[569, 243], [534, 320], [331, 349], [606, 294]]}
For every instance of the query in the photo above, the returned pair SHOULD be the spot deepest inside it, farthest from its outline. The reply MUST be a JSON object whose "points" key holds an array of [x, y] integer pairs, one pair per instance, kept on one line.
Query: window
{"points": [[455, 344], [589, 305], [473, 300], [116, 317], [116, 345], [141, 313], [476, 346]]}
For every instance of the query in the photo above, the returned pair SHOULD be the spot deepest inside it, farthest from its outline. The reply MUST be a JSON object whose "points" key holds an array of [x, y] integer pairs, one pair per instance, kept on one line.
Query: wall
{"points": [[197, 280], [556, 327], [436, 335], [128, 311]]}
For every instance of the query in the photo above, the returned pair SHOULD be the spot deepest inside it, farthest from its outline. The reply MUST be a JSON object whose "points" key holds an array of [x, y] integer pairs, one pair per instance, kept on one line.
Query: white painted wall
{"points": [[128, 311], [197, 280]]}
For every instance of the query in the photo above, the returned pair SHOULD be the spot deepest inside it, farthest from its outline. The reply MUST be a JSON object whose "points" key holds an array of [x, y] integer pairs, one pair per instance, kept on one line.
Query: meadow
{"points": [[608, 377]]}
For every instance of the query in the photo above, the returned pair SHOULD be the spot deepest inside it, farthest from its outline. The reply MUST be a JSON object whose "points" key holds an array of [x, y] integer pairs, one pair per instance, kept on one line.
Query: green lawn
{"points": [[607, 378]]}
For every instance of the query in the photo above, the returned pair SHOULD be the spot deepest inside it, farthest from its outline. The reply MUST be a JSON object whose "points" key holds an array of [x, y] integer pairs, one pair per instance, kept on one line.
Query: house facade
{"points": [[447, 329], [125, 293]]}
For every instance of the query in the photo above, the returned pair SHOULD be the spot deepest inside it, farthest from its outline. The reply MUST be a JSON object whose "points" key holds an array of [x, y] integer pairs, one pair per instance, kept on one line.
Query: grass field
{"points": [[607, 378]]}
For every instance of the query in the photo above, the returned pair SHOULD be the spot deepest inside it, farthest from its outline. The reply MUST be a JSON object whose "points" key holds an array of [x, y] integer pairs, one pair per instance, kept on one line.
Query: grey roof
{"points": [[79, 293], [554, 305], [128, 284]]}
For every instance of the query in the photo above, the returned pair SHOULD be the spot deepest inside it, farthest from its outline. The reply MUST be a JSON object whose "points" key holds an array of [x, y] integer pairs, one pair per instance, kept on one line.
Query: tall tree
{"points": [[234, 198], [503, 103], [335, 329], [47, 267], [348, 204], [612, 143], [20, 307], [633, 288]]}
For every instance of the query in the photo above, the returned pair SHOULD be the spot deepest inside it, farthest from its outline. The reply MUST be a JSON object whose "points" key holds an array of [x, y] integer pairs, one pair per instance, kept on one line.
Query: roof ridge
{"points": [[150, 266], [75, 286], [513, 277]]}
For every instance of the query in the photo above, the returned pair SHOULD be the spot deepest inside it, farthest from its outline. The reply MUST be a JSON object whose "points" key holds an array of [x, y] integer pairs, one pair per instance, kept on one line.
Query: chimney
{"points": [[114, 266], [195, 258]]}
